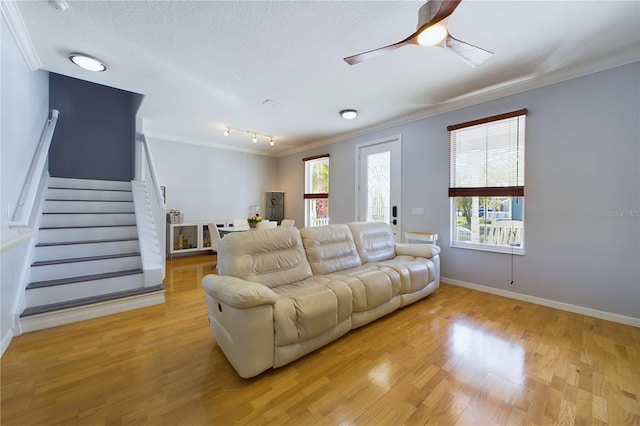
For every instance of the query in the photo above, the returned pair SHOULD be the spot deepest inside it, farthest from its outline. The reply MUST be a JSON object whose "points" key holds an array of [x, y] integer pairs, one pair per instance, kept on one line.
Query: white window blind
{"points": [[486, 156]]}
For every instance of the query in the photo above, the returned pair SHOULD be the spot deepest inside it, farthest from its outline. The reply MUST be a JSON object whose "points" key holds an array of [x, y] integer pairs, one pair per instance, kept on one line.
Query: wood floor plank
{"points": [[458, 357]]}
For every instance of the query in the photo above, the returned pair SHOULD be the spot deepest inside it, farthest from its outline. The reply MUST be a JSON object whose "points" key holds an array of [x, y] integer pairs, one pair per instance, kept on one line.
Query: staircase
{"points": [[87, 259]]}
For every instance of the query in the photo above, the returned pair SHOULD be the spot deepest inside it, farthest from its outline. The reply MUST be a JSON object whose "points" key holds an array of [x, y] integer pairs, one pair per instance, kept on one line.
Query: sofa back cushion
{"points": [[330, 248], [272, 257], [374, 241]]}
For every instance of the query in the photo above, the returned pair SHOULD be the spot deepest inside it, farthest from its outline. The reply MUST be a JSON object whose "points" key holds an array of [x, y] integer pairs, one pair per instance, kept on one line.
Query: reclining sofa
{"points": [[282, 293]]}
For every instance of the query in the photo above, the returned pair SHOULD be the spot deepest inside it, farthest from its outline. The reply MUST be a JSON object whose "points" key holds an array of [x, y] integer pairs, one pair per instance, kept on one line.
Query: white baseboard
{"points": [[6, 339], [621, 319], [67, 316]]}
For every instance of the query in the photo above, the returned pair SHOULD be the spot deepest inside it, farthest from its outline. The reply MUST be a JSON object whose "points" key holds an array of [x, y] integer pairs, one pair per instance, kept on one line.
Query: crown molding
{"points": [[16, 24], [201, 142]]}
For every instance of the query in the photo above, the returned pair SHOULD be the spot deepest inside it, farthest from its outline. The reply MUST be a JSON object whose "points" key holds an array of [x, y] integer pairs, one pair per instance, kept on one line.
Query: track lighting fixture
{"points": [[254, 135]]}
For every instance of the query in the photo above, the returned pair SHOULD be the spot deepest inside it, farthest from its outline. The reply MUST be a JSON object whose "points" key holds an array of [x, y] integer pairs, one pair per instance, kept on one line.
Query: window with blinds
{"points": [[486, 183], [316, 190]]}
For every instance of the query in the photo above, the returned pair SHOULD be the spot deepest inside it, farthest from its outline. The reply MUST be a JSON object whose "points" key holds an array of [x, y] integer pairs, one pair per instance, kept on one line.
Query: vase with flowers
{"points": [[254, 220]]}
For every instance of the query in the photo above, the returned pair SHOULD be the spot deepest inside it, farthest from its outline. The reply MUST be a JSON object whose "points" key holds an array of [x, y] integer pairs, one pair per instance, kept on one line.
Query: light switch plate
{"points": [[417, 211]]}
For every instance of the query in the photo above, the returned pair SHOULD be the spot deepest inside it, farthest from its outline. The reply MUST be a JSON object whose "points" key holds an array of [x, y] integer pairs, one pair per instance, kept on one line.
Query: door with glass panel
{"points": [[379, 183]]}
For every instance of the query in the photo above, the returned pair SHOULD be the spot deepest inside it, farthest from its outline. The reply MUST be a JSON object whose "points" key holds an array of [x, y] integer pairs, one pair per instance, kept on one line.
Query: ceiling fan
{"points": [[432, 31]]}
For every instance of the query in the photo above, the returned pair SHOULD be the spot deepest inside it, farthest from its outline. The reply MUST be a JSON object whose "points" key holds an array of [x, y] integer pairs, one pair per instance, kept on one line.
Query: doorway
{"points": [[379, 182]]}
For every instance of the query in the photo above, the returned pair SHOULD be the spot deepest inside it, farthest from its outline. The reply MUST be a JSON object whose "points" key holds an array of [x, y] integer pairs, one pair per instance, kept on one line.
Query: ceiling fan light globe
{"points": [[432, 35]]}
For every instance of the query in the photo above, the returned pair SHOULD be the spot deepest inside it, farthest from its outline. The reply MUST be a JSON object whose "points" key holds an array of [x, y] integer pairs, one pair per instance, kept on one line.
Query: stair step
{"points": [[87, 219], [72, 249], [88, 194], [64, 243], [66, 268], [60, 234], [58, 182], [83, 259], [71, 280], [52, 206], [35, 310]]}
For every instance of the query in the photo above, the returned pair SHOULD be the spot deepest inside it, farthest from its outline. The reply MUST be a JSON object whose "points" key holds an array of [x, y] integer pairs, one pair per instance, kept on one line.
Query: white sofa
{"points": [[282, 293]]}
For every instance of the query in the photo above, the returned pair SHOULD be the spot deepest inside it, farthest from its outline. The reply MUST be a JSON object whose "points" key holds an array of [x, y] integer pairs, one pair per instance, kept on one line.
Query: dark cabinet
{"points": [[275, 206]]}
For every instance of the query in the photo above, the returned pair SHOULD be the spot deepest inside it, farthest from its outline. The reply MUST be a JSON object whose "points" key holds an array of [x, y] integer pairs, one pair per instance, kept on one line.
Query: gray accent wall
{"points": [[95, 135], [24, 110], [582, 191]]}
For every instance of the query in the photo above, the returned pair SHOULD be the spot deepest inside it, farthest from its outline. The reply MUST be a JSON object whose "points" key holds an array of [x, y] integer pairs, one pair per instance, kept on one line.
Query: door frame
{"points": [[358, 148]]}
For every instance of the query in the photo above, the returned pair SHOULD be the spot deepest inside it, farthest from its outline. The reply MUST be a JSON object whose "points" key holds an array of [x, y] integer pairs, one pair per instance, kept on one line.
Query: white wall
{"points": [[24, 110], [582, 204], [212, 184]]}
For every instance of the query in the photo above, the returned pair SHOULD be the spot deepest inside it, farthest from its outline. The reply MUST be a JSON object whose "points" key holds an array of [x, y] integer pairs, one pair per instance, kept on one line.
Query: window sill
{"points": [[484, 247]]}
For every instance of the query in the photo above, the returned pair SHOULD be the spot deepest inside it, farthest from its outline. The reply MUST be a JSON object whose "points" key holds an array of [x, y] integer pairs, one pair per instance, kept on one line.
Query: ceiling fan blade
{"points": [[446, 8], [427, 16], [469, 53], [356, 59]]}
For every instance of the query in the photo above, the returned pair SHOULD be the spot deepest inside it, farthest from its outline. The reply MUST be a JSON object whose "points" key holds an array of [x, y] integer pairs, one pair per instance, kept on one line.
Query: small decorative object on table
{"points": [[253, 220], [175, 216]]}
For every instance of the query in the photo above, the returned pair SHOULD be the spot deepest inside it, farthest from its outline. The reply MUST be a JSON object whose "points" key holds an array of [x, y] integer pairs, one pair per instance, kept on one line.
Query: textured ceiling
{"points": [[206, 65]]}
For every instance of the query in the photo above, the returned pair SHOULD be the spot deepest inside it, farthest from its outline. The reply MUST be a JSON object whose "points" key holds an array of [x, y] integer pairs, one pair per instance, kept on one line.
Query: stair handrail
{"points": [[159, 209], [152, 169], [24, 207]]}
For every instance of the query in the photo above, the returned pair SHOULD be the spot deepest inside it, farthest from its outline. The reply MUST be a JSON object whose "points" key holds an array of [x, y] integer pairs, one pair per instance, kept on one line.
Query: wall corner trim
{"points": [[16, 24], [6, 339], [594, 313]]}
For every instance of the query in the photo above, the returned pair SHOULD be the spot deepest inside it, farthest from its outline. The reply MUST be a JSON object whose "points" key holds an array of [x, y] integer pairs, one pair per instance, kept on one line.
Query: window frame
{"points": [[307, 196], [514, 191]]}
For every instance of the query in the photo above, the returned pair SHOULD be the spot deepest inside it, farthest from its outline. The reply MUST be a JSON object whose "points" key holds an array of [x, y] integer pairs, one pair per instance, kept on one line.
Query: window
{"points": [[486, 183], [316, 190]]}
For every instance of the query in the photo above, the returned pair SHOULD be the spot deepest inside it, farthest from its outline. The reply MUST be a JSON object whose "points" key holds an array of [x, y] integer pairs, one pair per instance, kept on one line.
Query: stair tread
{"points": [[89, 189], [85, 226], [84, 259], [35, 310], [88, 212], [87, 200], [83, 278], [68, 243]]}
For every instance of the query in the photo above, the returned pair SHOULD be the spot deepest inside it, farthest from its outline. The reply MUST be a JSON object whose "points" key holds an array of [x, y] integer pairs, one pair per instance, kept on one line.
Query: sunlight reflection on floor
{"points": [[486, 352]]}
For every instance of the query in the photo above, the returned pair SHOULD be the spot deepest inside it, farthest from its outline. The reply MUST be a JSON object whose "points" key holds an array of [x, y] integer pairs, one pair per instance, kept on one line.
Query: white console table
{"points": [[428, 237]]}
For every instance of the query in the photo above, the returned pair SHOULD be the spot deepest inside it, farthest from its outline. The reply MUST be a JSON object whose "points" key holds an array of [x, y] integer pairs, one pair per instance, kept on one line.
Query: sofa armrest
{"points": [[417, 250], [238, 293]]}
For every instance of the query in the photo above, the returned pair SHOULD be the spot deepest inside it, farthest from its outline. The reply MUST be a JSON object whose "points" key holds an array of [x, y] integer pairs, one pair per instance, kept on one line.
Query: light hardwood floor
{"points": [[457, 357]]}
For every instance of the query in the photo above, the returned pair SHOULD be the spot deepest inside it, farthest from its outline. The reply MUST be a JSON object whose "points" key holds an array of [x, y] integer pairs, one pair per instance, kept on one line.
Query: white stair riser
{"points": [[88, 183], [67, 292], [85, 206], [88, 194], [87, 219], [71, 251], [76, 269], [86, 234]]}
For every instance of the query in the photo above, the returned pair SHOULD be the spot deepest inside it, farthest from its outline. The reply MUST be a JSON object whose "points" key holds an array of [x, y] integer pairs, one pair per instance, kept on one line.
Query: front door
{"points": [[379, 184]]}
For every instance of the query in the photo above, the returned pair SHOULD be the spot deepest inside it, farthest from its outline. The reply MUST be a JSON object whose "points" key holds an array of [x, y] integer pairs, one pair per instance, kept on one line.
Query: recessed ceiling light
{"points": [[60, 5], [87, 62], [348, 114]]}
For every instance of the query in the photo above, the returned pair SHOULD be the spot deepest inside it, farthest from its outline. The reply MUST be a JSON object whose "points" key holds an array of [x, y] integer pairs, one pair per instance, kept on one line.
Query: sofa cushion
{"points": [[414, 272], [272, 257], [371, 286], [330, 248], [309, 308], [374, 240]]}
